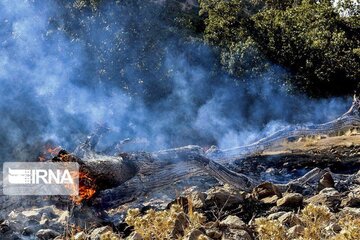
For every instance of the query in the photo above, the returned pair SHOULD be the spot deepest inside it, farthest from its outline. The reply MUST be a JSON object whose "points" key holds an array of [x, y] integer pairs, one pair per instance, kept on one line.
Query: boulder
{"points": [[232, 222], [46, 234], [292, 200], [328, 197], [326, 181], [266, 189], [352, 199], [224, 197]]}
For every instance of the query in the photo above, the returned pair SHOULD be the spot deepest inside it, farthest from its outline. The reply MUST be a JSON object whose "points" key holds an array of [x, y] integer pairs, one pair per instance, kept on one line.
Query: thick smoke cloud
{"points": [[65, 70]]}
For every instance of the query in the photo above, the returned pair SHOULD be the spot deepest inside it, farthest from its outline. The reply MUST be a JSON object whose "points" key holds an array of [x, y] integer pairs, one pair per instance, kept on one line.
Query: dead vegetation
{"points": [[316, 222]]}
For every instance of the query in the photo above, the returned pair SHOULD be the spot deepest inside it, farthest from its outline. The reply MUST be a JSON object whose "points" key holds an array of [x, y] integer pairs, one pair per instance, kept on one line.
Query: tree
{"points": [[318, 45]]}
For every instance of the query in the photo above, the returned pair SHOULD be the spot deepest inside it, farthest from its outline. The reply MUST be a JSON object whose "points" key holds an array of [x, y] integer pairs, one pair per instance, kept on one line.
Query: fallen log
{"points": [[132, 173], [349, 121]]}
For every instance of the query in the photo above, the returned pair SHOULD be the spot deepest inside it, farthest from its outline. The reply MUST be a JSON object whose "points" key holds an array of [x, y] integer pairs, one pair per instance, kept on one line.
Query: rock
{"points": [[214, 234], [32, 214], [4, 228], [211, 225], [275, 215], [29, 230], [266, 189], [16, 216], [233, 222], [326, 181], [236, 235], [44, 221], [292, 200], [333, 227], [295, 231], [181, 222], [14, 225], [289, 219], [352, 199], [80, 236], [270, 200], [85, 217], [193, 235], [351, 211], [328, 197], [45, 234], [96, 233], [329, 192], [63, 218], [198, 199], [224, 197]]}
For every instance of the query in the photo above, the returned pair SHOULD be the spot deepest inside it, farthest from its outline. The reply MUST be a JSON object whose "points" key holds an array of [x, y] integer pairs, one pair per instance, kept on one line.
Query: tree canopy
{"points": [[317, 42]]}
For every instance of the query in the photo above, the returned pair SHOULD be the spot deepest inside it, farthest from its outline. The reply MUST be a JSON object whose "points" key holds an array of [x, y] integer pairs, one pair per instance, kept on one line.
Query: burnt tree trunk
{"points": [[133, 173]]}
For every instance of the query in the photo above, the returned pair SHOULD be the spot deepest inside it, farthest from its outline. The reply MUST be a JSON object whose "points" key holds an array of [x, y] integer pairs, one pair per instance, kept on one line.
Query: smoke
{"points": [[63, 71]]}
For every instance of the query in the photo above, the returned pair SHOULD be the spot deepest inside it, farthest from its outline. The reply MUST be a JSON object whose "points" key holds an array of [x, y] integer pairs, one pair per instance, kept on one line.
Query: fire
{"points": [[86, 188], [49, 152]]}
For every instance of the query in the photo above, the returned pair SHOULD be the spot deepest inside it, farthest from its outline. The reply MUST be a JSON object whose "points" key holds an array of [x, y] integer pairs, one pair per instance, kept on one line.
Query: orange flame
{"points": [[49, 152], [86, 187]]}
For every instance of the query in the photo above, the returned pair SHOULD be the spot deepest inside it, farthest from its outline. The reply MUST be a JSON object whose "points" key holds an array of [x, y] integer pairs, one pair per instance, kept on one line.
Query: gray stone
{"points": [[275, 215], [96, 233], [236, 235], [233, 222], [45, 234], [224, 197]]}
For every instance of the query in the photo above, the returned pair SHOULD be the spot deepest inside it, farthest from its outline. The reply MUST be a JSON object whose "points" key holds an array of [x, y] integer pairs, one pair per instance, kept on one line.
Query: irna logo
{"points": [[39, 176]]}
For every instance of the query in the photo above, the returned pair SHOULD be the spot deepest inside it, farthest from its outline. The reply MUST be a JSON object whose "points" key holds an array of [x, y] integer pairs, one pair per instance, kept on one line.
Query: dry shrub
{"points": [[270, 229], [350, 229], [315, 219], [109, 236], [159, 224]]}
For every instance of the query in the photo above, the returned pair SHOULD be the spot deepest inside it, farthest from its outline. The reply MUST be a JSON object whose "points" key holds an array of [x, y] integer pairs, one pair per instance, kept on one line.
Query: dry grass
{"points": [[350, 229], [270, 229], [314, 219], [160, 224]]}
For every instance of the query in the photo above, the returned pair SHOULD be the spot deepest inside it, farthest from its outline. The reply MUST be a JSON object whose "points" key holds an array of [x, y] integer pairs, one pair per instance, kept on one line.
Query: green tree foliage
{"points": [[317, 43]]}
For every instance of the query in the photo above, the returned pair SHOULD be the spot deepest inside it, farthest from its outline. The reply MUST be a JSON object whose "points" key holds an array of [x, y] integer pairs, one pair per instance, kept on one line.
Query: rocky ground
{"points": [[323, 207], [331, 210]]}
